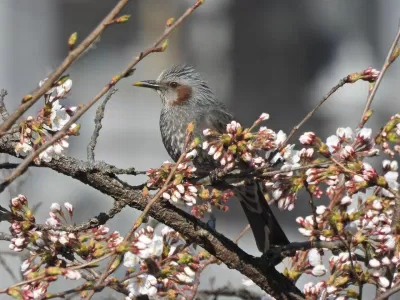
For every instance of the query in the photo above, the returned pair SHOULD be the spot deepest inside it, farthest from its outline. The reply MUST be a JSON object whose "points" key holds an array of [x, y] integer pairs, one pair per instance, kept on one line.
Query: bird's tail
{"points": [[266, 229]]}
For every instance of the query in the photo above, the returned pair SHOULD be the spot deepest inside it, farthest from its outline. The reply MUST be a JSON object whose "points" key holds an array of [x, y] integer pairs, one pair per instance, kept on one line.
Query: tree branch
{"points": [[97, 125], [264, 275], [229, 291]]}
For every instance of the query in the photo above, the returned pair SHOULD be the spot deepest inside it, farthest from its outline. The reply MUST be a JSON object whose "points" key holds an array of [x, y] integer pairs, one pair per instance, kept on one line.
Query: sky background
{"points": [[279, 57]]}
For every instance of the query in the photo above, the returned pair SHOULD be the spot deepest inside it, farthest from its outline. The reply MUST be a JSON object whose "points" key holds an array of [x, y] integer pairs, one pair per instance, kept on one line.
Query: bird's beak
{"points": [[152, 84]]}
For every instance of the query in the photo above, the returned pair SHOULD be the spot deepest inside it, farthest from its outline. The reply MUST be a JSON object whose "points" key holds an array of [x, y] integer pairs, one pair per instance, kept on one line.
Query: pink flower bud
{"points": [[264, 117], [307, 138], [383, 282], [55, 208], [206, 132], [319, 270], [212, 150], [180, 188], [374, 263], [68, 206]]}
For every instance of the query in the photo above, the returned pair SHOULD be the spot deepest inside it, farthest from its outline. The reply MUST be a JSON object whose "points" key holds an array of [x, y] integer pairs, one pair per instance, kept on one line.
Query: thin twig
{"points": [[7, 268], [60, 134], [388, 61], [341, 83], [101, 219], [313, 208], [97, 125], [3, 111], [241, 234], [68, 61]]}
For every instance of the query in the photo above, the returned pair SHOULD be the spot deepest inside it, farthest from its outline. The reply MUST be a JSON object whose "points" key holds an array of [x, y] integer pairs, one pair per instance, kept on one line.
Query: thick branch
{"points": [[228, 291], [269, 279]]}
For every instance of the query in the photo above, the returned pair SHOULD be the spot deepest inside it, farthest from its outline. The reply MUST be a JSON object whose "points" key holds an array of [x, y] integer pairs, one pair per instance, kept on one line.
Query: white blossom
{"points": [[144, 284], [73, 274], [280, 138], [320, 209], [58, 117], [333, 143], [365, 134], [131, 260], [344, 133], [314, 258], [23, 149]]}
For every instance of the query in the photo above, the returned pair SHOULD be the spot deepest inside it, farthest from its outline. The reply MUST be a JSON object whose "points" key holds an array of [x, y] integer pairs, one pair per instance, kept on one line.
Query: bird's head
{"points": [[180, 85]]}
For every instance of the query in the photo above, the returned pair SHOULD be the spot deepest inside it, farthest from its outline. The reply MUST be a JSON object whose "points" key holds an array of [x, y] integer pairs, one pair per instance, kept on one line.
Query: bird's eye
{"points": [[173, 84]]}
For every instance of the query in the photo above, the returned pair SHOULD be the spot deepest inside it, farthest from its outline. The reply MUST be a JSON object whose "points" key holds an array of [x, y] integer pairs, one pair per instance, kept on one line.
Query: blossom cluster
{"points": [[50, 250], [37, 130], [182, 191], [161, 264], [178, 190], [336, 168], [362, 229], [240, 145]]}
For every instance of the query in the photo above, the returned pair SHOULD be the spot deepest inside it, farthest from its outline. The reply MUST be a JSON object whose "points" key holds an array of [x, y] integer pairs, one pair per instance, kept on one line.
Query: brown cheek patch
{"points": [[184, 92]]}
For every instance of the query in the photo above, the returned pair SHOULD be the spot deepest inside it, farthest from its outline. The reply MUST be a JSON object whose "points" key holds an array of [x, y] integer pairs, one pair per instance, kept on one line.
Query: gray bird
{"points": [[186, 97]]}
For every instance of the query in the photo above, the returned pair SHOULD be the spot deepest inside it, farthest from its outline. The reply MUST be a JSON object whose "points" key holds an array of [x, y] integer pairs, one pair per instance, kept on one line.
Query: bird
{"points": [[186, 97]]}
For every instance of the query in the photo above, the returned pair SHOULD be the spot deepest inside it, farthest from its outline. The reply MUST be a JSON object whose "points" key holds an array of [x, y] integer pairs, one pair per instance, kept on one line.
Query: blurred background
{"points": [[279, 57]]}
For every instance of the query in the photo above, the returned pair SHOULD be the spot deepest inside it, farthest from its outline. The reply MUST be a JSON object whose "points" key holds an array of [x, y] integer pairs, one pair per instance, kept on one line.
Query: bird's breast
{"points": [[173, 133], [173, 125]]}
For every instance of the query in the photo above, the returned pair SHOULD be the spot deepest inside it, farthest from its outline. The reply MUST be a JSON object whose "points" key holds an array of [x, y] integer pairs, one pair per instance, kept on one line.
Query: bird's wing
{"points": [[215, 119]]}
